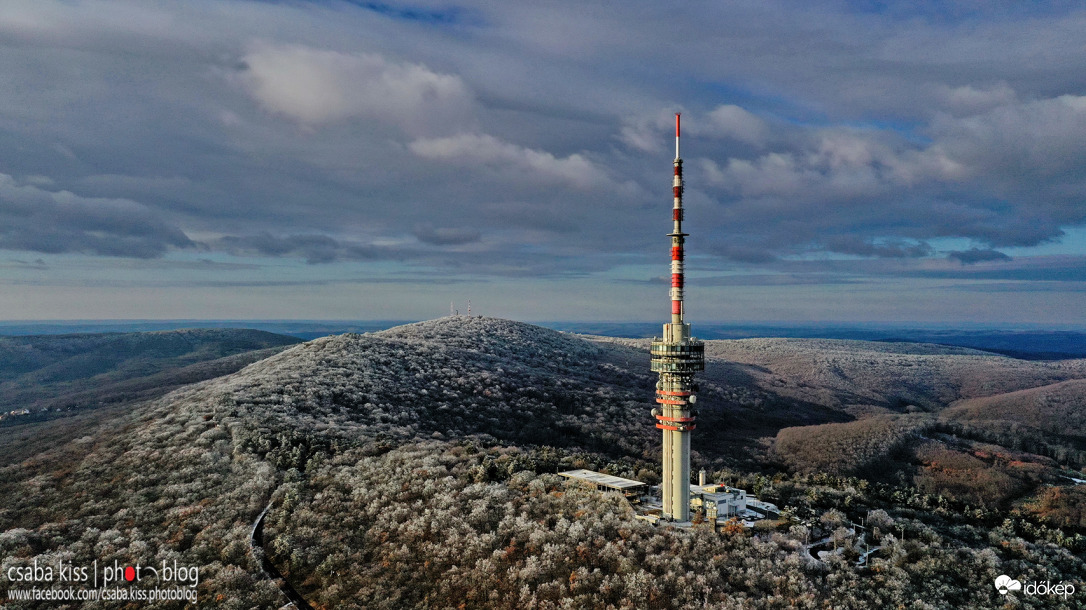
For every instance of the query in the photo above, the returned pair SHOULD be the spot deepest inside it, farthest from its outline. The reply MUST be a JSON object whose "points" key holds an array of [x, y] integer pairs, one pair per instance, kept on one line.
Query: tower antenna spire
{"points": [[676, 356], [677, 115]]}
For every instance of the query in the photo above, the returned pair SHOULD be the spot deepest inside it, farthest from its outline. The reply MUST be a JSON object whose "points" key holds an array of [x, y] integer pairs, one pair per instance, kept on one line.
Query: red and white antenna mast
{"points": [[677, 235], [676, 357]]}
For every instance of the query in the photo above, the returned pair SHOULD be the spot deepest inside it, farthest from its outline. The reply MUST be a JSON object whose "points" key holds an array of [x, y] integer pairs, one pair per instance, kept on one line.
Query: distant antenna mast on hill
{"points": [[469, 308]]}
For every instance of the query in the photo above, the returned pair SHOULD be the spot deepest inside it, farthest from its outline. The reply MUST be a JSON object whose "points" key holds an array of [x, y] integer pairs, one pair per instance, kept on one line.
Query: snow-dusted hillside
{"points": [[857, 374], [1058, 409], [410, 468]]}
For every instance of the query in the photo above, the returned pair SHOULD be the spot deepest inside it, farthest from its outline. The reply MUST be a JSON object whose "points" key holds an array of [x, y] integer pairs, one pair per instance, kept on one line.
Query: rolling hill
{"points": [[66, 383], [1058, 408], [63, 371], [414, 468]]}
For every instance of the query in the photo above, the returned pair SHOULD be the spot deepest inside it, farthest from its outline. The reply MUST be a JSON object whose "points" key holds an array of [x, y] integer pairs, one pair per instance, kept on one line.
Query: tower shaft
{"points": [[676, 356]]}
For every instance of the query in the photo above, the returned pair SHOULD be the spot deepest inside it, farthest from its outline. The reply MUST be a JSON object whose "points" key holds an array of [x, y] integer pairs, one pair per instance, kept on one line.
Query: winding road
{"points": [[256, 542]]}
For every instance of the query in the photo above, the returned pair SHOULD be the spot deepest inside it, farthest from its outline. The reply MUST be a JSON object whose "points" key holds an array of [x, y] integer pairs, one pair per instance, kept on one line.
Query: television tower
{"points": [[676, 357]]}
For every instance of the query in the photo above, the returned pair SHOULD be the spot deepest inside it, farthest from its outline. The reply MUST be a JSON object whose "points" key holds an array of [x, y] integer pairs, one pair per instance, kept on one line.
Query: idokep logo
{"points": [[1005, 583]]}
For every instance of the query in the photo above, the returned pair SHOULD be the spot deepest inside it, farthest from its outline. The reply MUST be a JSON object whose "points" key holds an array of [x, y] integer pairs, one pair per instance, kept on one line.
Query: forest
{"points": [[415, 467]]}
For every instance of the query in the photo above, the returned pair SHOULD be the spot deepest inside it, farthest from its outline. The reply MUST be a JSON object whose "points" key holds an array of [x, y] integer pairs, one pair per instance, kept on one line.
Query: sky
{"points": [[848, 161]]}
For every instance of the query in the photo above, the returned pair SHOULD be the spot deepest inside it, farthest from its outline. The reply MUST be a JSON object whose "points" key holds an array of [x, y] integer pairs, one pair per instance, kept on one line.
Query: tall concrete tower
{"points": [[676, 356]]}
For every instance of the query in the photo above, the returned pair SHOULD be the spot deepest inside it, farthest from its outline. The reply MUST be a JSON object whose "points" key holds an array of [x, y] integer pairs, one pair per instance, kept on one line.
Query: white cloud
{"points": [[315, 86], [471, 149], [649, 133], [969, 100], [1041, 137], [726, 121], [771, 174], [731, 121], [832, 165], [916, 167]]}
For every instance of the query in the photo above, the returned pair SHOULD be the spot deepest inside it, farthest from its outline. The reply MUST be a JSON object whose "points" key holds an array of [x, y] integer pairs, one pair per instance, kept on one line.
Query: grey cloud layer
{"points": [[535, 135], [39, 220]]}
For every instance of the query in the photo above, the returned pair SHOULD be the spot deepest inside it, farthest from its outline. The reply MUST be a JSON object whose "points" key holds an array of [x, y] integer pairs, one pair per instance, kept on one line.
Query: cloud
{"points": [[970, 100], [744, 254], [473, 150], [1006, 176], [314, 249], [1049, 268], [833, 163], [731, 121], [39, 220], [1033, 141], [846, 244], [648, 133], [445, 236], [14, 263], [316, 86], [780, 279], [976, 255], [1030, 287], [727, 122]]}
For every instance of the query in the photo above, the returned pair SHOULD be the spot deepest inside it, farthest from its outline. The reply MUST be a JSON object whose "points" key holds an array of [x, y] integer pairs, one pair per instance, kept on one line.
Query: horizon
{"points": [[716, 324]]}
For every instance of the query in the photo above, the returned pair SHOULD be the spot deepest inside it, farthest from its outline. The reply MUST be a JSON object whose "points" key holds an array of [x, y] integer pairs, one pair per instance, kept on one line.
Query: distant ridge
{"points": [[1024, 344], [85, 370], [1028, 344], [302, 329]]}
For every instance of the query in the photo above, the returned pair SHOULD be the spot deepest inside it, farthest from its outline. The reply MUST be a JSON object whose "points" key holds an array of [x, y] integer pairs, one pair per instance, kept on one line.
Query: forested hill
{"points": [[414, 468], [85, 370]]}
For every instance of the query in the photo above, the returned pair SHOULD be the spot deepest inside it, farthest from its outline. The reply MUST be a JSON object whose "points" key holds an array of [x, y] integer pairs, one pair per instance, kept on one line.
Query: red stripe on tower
{"points": [[675, 428], [676, 135]]}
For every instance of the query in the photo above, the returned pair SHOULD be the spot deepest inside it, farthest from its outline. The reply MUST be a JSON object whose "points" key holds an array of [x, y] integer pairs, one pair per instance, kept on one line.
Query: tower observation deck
{"points": [[676, 356]]}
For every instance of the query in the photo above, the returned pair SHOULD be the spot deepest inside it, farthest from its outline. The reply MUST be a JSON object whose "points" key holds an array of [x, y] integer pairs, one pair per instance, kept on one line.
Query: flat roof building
{"points": [[719, 501], [629, 488]]}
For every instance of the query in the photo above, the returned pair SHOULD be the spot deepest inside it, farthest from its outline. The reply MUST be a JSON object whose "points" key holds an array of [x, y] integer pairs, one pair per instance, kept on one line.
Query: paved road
{"points": [[256, 541]]}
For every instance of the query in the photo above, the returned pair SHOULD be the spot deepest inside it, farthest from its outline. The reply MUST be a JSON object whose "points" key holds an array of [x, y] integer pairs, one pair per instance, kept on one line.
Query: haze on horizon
{"points": [[845, 161]]}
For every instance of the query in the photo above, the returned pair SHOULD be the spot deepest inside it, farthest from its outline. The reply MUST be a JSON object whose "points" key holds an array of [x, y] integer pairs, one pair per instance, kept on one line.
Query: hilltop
{"points": [[414, 467]]}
